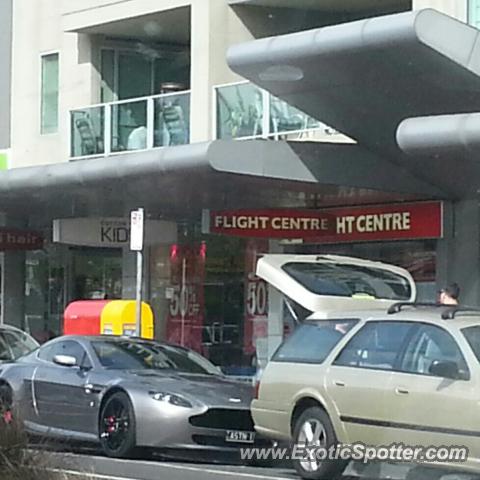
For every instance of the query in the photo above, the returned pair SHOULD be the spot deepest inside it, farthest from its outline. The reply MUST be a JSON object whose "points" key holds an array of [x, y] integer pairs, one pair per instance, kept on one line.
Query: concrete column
{"points": [[12, 280], [215, 26], [13, 288], [458, 253], [129, 274], [275, 310], [454, 8], [160, 280]]}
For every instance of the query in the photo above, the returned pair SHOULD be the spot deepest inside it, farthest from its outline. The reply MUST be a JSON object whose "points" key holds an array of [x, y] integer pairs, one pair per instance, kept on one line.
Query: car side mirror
{"points": [[445, 369], [65, 360]]}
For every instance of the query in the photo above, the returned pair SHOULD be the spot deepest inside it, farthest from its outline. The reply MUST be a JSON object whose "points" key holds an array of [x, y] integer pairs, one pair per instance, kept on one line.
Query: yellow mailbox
{"points": [[118, 318]]}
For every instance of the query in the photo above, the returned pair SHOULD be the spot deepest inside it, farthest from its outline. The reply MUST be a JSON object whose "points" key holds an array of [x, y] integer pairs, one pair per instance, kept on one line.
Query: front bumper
{"points": [[203, 428]]}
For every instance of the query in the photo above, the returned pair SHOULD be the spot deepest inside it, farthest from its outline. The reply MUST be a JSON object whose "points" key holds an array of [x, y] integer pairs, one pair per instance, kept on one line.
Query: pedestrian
{"points": [[450, 294]]}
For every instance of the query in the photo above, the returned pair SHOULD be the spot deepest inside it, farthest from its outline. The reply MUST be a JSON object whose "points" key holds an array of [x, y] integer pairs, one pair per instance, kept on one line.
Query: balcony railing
{"points": [[126, 125], [244, 111]]}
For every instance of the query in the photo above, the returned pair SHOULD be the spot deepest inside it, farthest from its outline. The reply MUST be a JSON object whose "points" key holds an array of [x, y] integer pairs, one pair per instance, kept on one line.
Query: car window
{"points": [[18, 343], [472, 335], [377, 345], [313, 341], [134, 355], [345, 280], [68, 347], [5, 350], [431, 343]]}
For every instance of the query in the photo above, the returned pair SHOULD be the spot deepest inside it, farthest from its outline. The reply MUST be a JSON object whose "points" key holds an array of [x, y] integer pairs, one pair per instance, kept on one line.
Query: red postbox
{"points": [[83, 317]]}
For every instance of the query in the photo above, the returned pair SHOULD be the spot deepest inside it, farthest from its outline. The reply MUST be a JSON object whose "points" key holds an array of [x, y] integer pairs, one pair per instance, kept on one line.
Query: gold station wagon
{"points": [[408, 373]]}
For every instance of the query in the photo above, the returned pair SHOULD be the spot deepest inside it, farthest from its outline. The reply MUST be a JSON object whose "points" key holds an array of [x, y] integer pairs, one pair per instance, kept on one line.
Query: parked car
{"points": [[15, 343], [409, 376], [124, 393]]}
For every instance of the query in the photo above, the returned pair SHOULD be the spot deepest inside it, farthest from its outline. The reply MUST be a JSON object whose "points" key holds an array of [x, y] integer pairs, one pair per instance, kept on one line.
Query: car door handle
{"points": [[401, 391], [339, 383]]}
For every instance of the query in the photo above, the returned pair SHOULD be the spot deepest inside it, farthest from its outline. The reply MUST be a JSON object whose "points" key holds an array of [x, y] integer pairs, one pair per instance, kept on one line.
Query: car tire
{"points": [[317, 421], [117, 428]]}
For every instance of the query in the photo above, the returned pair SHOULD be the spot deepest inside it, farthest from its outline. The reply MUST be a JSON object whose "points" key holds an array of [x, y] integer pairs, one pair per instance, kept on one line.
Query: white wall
{"points": [[215, 26], [454, 8], [37, 30]]}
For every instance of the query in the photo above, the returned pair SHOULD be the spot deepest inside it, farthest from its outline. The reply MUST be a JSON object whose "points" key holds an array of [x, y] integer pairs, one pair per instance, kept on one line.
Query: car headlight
{"points": [[171, 398]]}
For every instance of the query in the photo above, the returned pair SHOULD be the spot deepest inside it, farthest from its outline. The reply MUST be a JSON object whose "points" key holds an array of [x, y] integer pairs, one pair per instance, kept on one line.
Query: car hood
{"points": [[212, 390]]}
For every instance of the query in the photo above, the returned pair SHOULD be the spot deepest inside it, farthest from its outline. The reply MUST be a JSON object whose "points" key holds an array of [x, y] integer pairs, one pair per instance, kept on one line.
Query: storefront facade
{"points": [[229, 202], [226, 316]]}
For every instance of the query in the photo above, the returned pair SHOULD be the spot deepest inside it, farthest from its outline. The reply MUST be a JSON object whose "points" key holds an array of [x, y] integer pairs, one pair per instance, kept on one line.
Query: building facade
{"points": [[113, 105]]}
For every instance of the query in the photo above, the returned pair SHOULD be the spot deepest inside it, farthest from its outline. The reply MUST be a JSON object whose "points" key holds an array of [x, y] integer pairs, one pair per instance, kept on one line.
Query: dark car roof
{"points": [[4, 326], [117, 338]]}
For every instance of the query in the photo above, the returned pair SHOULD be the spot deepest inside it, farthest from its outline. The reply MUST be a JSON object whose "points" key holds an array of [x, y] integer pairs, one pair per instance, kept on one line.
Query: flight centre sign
{"points": [[353, 224]]}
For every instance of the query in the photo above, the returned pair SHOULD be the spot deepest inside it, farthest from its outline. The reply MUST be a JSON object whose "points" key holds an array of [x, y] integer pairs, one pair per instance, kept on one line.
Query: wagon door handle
{"points": [[339, 383], [401, 391]]}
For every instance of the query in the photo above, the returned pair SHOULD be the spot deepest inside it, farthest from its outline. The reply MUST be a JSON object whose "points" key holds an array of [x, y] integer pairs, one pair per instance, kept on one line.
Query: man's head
{"points": [[450, 294]]}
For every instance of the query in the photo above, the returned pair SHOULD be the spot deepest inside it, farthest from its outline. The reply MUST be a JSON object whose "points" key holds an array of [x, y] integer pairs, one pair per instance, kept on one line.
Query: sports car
{"points": [[126, 393], [14, 343]]}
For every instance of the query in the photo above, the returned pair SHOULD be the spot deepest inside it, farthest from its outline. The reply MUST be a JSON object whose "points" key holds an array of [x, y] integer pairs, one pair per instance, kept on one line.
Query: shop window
{"points": [[45, 295], [97, 274]]}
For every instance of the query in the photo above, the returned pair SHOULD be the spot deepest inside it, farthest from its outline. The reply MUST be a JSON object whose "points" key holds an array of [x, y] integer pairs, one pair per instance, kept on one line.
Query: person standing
{"points": [[450, 294]]}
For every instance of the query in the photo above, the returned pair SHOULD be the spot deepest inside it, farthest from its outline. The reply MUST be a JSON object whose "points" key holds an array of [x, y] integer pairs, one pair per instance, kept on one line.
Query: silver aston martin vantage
{"points": [[126, 393]]}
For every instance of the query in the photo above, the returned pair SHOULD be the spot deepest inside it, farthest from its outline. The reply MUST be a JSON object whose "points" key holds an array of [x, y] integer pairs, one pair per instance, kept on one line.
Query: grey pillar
{"points": [[13, 288], [13, 279], [129, 274], [275, 311], [458, 253]]}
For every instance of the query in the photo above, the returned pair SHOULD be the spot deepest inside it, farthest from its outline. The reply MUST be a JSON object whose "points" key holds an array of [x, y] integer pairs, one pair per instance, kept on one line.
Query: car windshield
{"points": [[15, 344], [134, 355], [313, 341], [349, 280], [472, 335]]}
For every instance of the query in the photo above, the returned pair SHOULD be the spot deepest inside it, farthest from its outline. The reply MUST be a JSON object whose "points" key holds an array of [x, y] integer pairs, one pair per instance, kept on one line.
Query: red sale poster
{"points": [[186, 308], [256, 298]]}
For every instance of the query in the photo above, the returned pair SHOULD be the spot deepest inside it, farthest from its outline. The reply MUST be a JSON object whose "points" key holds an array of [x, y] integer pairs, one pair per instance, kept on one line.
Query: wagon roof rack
{"points": [[449, 311], [397, 307]]}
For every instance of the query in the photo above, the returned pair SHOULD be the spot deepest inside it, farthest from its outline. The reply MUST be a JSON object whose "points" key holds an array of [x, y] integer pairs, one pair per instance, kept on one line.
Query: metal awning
{"points": [[364, 78], [184, 179]]}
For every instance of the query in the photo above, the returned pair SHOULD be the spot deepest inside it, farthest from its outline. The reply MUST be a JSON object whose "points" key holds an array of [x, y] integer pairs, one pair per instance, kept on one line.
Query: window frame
{"points": [[41, 90], [468, 374], [401, 354]]}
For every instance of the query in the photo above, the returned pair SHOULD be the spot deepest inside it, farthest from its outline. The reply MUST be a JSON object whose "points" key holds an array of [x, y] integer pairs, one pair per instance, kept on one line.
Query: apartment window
{"points": [[128, 74], [49, 100], [474, 12]]}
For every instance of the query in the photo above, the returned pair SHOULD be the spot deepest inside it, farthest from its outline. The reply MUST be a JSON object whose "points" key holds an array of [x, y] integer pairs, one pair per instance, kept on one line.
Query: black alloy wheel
{"points": [[117, 426]]}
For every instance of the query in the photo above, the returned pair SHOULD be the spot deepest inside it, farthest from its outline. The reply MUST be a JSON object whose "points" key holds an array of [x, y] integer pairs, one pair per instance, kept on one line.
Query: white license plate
{"points": [[240, 437]]}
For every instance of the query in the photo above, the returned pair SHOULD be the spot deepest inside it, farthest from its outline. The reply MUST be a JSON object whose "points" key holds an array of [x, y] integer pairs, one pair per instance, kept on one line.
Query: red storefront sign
{"points": [[352, 224], [13, 239]]}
